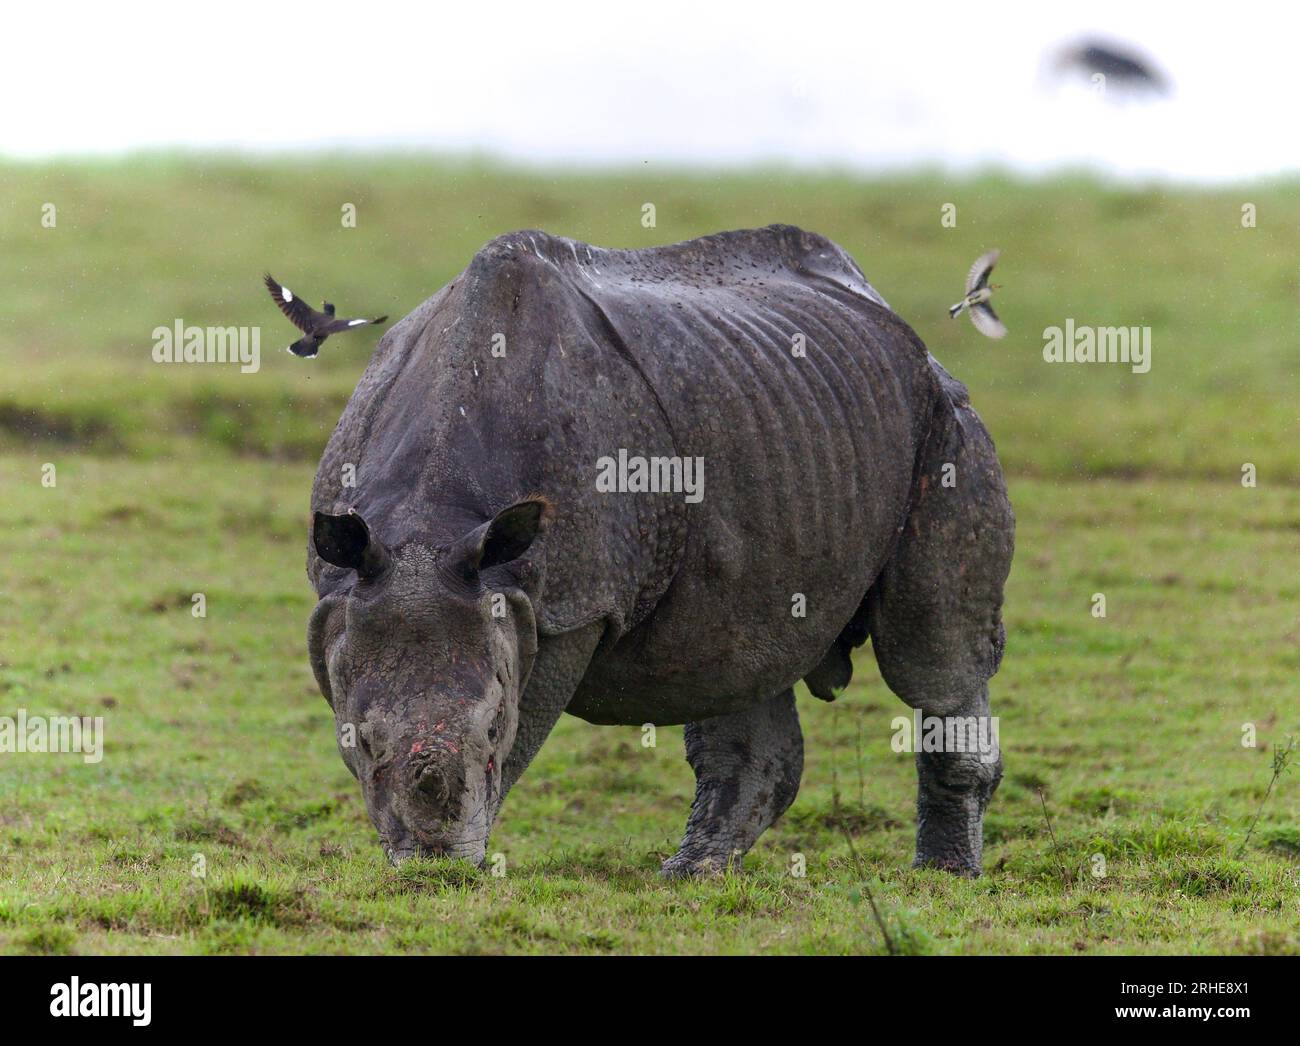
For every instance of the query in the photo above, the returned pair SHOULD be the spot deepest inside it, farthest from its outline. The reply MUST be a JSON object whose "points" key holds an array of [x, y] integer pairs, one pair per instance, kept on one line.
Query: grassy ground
{"points": [[174, 481]]}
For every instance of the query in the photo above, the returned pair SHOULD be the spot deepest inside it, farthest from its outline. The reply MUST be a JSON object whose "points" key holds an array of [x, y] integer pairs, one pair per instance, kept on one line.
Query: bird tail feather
{"points": [[956, 310]]}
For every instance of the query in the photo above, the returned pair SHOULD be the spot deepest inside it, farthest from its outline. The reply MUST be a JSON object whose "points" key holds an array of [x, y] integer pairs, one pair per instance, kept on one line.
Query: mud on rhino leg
{"points": [[936, 626], [747, 770]]}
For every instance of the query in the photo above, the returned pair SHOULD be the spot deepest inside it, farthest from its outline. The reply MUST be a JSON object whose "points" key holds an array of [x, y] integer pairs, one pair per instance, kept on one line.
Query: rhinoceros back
{"points": [[776, 364]]}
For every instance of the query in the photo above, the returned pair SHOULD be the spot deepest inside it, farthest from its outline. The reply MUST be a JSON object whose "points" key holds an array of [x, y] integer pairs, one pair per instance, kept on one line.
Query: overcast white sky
{"points": [[868, 85]]}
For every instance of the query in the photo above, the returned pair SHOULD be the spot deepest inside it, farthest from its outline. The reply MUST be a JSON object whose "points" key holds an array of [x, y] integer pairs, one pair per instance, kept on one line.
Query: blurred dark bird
{"points": [[978, 293], [317, 326], [1120, 66]]}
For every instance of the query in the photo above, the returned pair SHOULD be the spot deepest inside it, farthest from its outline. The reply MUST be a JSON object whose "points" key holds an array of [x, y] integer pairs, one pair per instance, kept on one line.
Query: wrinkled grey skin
{"points": [[475, 491]]}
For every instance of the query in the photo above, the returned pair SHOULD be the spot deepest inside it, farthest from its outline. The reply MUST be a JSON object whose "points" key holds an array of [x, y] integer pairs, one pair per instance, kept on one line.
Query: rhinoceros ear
{"points": [[507, 536], [345, 541]]}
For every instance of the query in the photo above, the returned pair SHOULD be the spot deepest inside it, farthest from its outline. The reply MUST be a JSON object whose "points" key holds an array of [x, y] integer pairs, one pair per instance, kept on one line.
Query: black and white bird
{"points": [[317, 326], [978, 293]]}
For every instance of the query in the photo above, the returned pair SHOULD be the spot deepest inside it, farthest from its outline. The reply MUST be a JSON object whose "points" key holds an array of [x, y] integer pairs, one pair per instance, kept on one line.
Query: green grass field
{"points": [[179, 480]]}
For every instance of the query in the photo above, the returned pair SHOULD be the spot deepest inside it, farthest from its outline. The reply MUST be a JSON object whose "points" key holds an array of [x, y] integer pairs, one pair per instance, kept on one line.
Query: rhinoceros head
{"points": [[423, 660]]}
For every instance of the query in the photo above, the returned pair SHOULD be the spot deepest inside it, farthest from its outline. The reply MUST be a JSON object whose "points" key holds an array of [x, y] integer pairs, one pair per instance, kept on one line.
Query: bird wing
{"points": [[300, 314], [335, 326], [986, 320], [1112, 63], [979, 272]]}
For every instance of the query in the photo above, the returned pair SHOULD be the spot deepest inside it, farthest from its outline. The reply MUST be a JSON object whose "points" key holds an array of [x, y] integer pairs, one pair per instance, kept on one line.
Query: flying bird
{"points": [[317, 326], [978, 293], [1117, 64]]}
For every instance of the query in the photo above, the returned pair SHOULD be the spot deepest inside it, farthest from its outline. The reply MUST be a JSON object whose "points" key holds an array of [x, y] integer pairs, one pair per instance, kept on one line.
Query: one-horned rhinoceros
{"points": [[512, 522]]}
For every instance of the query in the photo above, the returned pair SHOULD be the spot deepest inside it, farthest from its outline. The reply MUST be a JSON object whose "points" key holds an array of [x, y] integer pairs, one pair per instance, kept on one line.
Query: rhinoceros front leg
{"points": [[747, 769], [558, 669]]}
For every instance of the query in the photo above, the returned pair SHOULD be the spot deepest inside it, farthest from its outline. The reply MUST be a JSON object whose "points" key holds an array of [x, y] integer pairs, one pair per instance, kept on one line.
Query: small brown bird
{"points": [[317, 326], [978, 293]]}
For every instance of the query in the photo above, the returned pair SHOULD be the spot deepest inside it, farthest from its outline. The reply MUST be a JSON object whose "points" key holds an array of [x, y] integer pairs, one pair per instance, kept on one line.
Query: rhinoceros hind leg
{"points": [[936, 628], [747, 769]]}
